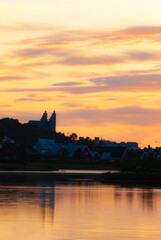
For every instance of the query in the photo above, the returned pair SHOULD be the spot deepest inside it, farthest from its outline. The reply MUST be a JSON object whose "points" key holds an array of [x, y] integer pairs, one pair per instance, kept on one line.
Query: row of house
{"points": [[109, 143], [10, 150], [100, 152], [49, 146]]}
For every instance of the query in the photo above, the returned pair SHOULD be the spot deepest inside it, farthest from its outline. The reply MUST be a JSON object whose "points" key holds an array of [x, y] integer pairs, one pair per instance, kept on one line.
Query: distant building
{"points": [[123, 144], [97, 139], [95, 156], [132, 144], [106, 156], [73, 148], [81, 138], [113, 152], [48, 146], [9, 151], [45, 123]]}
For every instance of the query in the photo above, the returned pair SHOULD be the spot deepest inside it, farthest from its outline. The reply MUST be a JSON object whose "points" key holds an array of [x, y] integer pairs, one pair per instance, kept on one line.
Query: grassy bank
{"points": [[27, 166], [83, 166], [50, 165]]}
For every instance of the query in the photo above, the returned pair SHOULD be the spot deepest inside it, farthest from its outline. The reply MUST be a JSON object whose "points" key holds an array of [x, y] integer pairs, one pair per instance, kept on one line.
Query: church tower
{"points": [[52, 122], [45, 123], [44, 117]]}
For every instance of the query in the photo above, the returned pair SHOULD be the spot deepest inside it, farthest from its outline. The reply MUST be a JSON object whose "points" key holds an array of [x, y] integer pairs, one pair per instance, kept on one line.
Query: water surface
{"points": [[78, 209]]}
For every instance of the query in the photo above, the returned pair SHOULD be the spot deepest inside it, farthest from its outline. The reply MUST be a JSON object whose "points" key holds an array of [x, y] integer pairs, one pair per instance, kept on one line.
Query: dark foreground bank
{"points": [[132, 178], [50, 165], [47, 178], [28, 166]]}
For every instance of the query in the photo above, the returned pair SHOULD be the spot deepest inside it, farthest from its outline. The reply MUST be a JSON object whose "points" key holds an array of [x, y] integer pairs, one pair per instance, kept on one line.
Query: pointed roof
{"points": [[53, 116], [72, 148], [48, 144], [93, 153], [44, 117]]}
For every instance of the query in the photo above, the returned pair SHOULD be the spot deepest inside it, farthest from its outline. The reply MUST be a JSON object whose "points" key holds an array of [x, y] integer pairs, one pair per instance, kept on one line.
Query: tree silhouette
{"points": [[73, 136]]}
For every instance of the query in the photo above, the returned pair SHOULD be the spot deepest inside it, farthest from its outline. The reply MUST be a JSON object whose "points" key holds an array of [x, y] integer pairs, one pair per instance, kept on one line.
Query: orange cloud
{"points": [[124, 115], [124, 83], [137, 34], [12, 78]]}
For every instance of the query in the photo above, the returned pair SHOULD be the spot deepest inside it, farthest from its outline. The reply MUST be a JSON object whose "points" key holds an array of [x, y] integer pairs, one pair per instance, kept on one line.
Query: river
{"points": [[81, 209]]}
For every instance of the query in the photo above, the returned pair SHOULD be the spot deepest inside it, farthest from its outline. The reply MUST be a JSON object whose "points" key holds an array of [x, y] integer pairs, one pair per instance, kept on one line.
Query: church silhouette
{"points": [[45, 123]]}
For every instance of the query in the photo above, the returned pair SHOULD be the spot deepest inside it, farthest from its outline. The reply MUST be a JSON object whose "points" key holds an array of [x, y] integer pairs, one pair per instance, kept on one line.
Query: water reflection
{"points": [[117, 194], [144, 195], [130, 197], [147, 198], [78, 209]]}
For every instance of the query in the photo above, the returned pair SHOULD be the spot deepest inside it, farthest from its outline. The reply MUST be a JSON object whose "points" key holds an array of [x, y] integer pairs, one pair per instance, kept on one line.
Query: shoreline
{"points": [[109, 177], [145, 178], [61, 171]]}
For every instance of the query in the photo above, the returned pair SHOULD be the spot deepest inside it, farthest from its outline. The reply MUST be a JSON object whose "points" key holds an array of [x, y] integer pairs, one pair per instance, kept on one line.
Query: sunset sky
{"points": [[96, 62]]}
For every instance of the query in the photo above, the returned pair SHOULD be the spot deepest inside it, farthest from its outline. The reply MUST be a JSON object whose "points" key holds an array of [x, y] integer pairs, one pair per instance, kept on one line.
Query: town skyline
{"points": [[97, 63], [49, 123]]}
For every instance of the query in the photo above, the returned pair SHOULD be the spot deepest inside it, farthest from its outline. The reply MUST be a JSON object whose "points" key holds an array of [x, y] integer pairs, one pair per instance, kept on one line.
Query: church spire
{"points": [[52, 121], [44, 117]]}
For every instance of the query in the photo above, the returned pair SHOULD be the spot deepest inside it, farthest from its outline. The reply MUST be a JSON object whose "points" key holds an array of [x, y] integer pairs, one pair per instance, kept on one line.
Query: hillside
{"points": [[23, 133]]}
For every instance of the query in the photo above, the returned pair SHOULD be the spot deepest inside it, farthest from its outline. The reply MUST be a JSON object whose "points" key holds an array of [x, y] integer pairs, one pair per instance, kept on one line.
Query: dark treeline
{"points": [[25, 133], [20, 154]]}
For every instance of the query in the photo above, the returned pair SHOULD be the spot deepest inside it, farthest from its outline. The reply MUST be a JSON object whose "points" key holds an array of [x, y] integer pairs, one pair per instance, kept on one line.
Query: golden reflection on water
{"points": [[79, 210]]}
